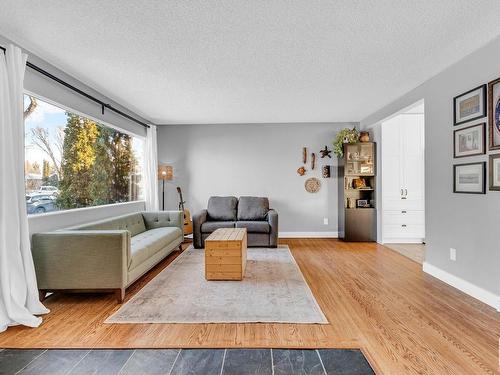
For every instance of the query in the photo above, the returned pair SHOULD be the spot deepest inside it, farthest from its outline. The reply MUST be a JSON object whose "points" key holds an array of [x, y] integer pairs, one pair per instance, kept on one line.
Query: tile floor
{"points": [[185, 361]]}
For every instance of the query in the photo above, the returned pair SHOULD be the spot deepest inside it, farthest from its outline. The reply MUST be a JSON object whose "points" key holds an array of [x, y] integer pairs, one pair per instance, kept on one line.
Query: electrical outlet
{"points": [[325, 221], [453, 254]]}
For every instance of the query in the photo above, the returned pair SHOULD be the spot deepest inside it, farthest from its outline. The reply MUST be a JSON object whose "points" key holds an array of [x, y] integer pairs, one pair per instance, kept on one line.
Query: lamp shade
{"points": [[165, 172]]}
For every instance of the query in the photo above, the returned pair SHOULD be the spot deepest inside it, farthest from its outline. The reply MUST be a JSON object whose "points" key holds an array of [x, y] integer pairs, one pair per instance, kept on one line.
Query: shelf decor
{"points": [[344, 136], [470, 105], [357, 192]]}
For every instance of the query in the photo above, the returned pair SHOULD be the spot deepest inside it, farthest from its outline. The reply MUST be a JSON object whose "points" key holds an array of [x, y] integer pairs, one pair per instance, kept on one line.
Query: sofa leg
{"points": [[180, 247], [41, 295], [120, 295]]}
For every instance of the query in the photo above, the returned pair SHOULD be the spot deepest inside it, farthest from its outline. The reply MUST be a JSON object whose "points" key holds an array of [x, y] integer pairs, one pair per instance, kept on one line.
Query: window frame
{"points": [[99, 121]]}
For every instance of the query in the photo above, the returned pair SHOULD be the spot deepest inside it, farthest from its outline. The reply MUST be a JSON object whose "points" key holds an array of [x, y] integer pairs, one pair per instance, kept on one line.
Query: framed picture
{"points": [[470, 105], [494, 113], [495, 172], [362, 203], [469, 178], [470, 141]]}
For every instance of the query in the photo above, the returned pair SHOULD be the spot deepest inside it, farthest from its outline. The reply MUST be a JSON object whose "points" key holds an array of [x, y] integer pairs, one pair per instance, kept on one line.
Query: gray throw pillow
{"points": [[222, 208], [253, 208]]}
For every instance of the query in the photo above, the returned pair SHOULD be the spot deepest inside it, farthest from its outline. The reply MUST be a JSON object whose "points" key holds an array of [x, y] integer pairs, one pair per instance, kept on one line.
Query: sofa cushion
{"points": [[146, 244], [252, 208], [254, 226], [134, 223], [222, 208], [210, 226]]}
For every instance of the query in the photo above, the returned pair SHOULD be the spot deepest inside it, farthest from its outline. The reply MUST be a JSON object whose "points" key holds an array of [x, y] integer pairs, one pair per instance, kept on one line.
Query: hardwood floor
{"points": [[414, 251], [375, 299]]}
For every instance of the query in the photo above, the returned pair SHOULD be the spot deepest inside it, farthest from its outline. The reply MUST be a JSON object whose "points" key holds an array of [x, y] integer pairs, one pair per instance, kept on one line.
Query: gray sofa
{"points": [[252, 213], [106, 255]]}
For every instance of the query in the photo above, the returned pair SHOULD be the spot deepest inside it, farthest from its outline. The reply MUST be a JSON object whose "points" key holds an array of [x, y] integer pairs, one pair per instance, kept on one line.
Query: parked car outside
{"points": [[41, 203], [52, 190]]}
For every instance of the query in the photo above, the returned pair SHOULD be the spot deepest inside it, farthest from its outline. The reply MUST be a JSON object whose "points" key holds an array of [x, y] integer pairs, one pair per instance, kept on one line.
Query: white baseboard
{"points": [[403, 240], [308, 234], [463, 285]]}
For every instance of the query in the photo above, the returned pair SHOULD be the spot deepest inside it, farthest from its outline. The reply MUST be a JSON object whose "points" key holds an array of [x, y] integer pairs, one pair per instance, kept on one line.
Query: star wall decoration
{"points": [[326, 152]]}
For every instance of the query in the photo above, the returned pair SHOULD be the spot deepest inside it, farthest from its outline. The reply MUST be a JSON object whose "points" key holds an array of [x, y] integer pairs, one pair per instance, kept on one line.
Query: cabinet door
{"points": [[391, 163], [413, 160]]}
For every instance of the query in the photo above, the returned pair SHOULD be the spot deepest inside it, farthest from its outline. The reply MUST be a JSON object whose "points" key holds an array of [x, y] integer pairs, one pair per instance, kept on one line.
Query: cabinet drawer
{"points": [[404, 231], [403, 217], [403, 204]]}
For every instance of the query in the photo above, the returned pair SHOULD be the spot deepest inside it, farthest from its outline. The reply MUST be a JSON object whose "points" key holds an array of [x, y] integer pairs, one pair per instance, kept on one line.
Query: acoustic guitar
{"points": [[188, 223]]}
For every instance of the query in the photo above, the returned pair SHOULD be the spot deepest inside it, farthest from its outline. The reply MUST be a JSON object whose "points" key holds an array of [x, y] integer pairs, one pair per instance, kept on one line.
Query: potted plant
{"points": [[344, 136]]}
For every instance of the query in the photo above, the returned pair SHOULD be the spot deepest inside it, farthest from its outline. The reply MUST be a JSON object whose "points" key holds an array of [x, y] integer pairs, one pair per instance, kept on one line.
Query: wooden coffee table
{"points": [[226, 254]]}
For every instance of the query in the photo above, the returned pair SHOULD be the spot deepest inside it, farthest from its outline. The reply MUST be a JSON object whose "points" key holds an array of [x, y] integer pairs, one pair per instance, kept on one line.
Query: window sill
{"points": [[83, 209]]}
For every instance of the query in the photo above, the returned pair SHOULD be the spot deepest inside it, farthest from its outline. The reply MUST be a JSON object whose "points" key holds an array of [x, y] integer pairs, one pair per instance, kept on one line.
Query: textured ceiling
{"points": [[243, 61]]}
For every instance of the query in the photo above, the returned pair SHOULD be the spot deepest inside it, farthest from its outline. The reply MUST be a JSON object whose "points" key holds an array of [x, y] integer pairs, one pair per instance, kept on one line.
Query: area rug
{"points": [[273, 290]]}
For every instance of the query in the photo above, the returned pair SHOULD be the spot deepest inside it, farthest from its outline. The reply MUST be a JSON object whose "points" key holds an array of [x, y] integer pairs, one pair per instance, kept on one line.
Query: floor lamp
{"points": [[165, 173]]}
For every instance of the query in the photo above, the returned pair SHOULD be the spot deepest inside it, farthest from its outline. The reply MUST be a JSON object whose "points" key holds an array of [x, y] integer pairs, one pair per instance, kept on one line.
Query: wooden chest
{"points": [[226, 254]]}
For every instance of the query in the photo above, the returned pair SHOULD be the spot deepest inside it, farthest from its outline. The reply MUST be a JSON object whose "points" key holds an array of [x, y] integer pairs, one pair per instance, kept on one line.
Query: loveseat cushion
{"points": [[222, 208], [134, 223], [210, 226], [252, 208], [146, 244], [254, 226]]}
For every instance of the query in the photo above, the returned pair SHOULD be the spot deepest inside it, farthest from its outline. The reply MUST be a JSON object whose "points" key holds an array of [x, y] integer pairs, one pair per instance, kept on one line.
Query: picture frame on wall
{"points": [[470, 105], [469, 178], [495, 172], [494, 114], [469, 141]]}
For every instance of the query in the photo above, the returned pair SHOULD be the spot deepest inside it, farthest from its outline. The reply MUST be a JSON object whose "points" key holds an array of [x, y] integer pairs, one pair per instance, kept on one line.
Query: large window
{"points": [[72, 161]]}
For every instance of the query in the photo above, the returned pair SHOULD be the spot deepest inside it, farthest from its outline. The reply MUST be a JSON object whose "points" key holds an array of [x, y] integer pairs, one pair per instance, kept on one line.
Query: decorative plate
{"points": [[312, 185]]}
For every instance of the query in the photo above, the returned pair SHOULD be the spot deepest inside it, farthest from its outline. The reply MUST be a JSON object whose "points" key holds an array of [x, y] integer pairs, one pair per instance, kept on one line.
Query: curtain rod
{"points": [[83, 93]]}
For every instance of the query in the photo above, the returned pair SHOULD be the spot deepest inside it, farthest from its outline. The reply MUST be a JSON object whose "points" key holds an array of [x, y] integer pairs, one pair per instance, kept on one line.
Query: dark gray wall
{"points": [[467, 222], [253, 159]]}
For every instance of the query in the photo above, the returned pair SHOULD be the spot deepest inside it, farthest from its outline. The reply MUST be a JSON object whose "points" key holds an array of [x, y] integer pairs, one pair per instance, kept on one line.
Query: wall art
{"points": [[469, 141], [470, 105], [494, 114], [469, 178]]}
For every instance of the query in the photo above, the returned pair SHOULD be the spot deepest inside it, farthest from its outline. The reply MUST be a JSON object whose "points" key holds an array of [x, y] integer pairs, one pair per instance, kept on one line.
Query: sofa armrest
{"points": [[160, 219], [272, 218], [198, 219], [81, 259]]}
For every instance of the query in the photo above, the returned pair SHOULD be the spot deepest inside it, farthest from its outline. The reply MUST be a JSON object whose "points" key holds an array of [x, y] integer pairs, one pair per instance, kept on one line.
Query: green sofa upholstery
{"points": [[107, 255]]}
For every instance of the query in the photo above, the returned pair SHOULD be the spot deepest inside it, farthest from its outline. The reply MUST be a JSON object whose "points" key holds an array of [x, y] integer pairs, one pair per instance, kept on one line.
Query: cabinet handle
{"points": [[403, 212], [403, 225], [401, 191], [406, 192]]}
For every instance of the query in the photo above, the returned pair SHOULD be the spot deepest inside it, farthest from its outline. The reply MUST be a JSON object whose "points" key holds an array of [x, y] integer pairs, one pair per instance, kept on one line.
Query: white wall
{"points": [[467, 222], [39, 85], [254, 159]]}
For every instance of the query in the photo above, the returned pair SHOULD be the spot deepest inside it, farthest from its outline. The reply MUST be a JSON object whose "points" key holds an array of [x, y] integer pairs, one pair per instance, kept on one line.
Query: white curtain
{"points": [[19, 301], [151, 166]]}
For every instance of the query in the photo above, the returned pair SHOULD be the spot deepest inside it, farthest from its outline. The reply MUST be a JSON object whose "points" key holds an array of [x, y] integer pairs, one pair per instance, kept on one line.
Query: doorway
{"points": [[402, 181]]}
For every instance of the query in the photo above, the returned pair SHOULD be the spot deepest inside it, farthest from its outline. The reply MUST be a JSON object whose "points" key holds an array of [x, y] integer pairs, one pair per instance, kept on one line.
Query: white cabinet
{"points": [[402, 170]]}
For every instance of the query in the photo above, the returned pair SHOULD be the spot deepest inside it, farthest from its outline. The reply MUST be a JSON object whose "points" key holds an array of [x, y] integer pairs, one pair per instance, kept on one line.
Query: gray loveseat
{"points": [[106, 255], [252, 213]]}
